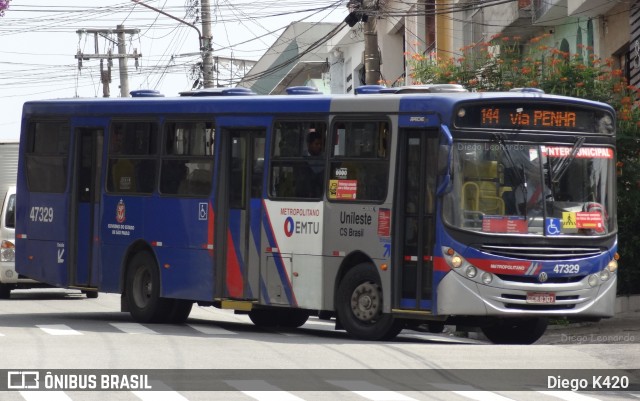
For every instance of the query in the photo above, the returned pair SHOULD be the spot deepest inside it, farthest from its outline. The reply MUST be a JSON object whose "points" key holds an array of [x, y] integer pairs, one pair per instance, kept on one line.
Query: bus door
{"points": [[239, 221], [85, 207], [415, 214]]}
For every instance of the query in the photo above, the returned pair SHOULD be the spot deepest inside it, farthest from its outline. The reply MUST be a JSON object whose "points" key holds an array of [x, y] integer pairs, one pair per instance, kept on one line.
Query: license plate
{"points": [[541, 298]]}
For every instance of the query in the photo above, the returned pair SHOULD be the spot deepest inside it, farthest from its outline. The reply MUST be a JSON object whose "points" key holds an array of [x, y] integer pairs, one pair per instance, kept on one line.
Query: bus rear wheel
{"points": [[142, 290], [516, 331], [179, 311], [359, 305]]}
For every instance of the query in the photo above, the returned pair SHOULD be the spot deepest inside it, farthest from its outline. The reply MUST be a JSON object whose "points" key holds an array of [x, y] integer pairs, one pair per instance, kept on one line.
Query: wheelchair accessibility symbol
{"points": [[552, 226]]}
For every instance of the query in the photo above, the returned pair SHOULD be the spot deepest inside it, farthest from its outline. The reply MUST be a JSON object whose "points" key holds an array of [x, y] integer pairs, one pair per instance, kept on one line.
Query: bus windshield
{"points": [[521, 188]]}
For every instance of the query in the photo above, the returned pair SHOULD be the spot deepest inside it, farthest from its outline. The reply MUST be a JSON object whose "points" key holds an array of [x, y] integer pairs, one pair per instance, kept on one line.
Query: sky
{"points": [[39, 42]]}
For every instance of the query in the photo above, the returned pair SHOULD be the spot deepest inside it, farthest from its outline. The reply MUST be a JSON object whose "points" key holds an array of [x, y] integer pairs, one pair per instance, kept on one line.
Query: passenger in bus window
{"points": [[314, 143], [310, 181], [536, 192]]}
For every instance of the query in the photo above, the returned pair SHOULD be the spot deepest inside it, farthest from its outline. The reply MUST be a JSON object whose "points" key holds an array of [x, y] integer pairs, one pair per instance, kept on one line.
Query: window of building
{"points": [[47, 156], [359, 165], [187, 158], [132, 157], [298, 160]]}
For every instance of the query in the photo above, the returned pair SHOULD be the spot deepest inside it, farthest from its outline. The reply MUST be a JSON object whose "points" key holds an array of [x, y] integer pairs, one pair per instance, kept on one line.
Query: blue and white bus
{"points": [[424, 206]]}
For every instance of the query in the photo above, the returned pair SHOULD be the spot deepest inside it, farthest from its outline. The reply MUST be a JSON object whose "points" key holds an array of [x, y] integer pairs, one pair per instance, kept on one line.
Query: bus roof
{"points": [[442, 103]]}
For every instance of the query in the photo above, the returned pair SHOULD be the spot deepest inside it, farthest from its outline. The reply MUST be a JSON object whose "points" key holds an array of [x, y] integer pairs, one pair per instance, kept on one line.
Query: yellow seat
{"points": [[482, 191]]}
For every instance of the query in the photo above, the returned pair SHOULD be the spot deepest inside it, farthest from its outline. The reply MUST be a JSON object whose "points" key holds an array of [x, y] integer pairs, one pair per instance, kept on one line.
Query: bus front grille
{"points": [[536, 280], [540, 252]]}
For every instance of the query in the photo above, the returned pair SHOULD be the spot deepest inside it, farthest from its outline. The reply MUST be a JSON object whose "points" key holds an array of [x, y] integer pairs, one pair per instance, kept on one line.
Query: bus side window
{"points": [[187, 159], [297, 169], [47, 156], [359, 163], [132, 157]]}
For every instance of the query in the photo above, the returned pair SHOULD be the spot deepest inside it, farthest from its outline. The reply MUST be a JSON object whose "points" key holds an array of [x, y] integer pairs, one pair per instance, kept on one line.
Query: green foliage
{"points": [[505, 63]]}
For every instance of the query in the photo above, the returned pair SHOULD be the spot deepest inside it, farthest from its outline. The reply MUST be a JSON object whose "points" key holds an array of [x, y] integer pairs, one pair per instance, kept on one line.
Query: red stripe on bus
{"points": [[234, 276], [440, 265]]}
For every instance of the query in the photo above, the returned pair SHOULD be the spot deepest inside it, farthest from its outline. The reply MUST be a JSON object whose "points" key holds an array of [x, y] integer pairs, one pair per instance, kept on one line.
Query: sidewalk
{"points": [[623, 328]]}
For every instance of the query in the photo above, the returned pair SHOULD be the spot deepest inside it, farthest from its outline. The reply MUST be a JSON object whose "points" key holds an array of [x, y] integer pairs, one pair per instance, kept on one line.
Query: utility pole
{"points": [[371, 53], [207, 47], [122, 56], [204, 38], [122, 63], [365, 11]]}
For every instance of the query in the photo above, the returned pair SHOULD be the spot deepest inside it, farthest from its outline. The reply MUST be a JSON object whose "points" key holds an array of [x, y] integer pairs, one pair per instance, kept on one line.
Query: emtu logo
{"points": [[289, 226]]}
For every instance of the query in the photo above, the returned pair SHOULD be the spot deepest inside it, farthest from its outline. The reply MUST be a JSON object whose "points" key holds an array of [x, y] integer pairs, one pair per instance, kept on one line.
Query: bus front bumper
{"points": [[8, 273], [458, 295]]}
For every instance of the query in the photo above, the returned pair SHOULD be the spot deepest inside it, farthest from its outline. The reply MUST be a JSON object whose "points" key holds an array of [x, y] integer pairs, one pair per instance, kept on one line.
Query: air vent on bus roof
{"points": [[219, 92], [432, 88], [527, 90], [369, 89], [302, 90], [146, 93]]}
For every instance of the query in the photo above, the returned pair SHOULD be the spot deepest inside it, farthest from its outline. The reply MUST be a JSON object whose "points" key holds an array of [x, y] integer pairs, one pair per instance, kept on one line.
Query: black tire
{"points": [[359, 305], [5, 291], [142, 290], [287, 318], [179, 311], [264, 317], [516, 331], [91, 294], [292, 318]]}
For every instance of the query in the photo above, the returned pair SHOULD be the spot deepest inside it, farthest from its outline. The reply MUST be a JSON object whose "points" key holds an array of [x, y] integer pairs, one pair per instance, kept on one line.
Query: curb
{"points": [[628, 304]]}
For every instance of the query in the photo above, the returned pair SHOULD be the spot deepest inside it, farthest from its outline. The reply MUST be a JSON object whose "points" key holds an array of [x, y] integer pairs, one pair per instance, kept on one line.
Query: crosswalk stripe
{"points": [[45, 396], [159, 396], [568, 396], [470, 392], [58, 330], [262, 391], [482, 396], [373, 392], [133, 328], [211, 330]]}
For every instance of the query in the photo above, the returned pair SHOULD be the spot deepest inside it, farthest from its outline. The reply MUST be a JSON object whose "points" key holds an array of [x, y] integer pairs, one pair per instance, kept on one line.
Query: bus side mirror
{"points": [[445, 157]]}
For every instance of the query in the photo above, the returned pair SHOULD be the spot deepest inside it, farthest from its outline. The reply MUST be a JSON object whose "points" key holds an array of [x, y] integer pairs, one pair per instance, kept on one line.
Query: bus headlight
{"points": [[7, 251], [487, 278], [612, 266], [593, 280], [471, 271], [604, 275], [456, 261]]}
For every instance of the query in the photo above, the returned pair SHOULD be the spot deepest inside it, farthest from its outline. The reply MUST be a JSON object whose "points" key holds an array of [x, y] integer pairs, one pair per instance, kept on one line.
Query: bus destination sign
{"points": [[548, 117]]}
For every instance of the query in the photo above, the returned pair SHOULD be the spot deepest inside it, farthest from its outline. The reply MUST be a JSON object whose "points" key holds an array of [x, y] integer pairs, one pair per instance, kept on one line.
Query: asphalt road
{"points": [[56, 330]]}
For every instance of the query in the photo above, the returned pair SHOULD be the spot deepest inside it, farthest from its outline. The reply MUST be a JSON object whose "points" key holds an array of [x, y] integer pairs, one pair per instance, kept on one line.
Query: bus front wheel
{"points": [[287, 318], [359, 303], [516, 331], [5, 291], [142, 290]]}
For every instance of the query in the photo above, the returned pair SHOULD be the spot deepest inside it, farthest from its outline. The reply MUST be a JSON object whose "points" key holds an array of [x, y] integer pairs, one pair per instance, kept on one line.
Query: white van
{"points": [[9, 279]]}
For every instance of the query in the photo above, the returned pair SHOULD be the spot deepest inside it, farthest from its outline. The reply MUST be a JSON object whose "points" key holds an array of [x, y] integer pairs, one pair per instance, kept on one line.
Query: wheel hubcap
{"points": [[365, 301]]}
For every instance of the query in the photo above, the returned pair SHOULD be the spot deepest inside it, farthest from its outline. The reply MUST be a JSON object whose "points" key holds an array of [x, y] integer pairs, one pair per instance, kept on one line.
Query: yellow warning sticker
{"points": [[569, 220]]}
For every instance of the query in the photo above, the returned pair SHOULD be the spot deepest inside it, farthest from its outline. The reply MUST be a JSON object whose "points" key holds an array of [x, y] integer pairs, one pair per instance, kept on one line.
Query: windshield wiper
{"points": [[563, 164], [505, 150]]}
